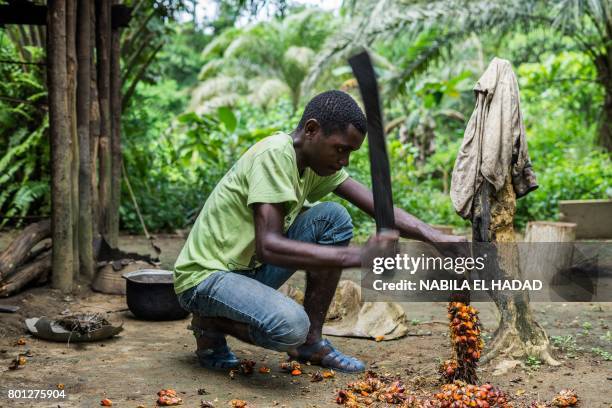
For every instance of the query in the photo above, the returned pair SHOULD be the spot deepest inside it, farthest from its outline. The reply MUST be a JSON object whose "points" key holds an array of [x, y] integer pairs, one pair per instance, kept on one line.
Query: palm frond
{"points": [[219, 44], [458, 18], [266, 90]]}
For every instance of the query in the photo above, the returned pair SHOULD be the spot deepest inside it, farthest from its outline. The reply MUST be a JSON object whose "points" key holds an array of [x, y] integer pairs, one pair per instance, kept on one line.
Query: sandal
{"points": [[219, 357], [334, 359]]}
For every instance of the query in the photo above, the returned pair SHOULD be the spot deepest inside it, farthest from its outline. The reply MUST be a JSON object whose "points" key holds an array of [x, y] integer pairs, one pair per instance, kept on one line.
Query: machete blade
{"points": [[379, 160]]}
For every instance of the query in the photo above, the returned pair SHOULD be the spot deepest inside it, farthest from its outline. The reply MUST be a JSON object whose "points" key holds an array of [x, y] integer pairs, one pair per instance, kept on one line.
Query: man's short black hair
{"points": [[334, 110]]}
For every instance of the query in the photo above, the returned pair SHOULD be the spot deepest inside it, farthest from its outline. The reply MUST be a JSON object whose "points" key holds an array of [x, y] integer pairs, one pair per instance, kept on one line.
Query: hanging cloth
{"points": [[494, 140]]}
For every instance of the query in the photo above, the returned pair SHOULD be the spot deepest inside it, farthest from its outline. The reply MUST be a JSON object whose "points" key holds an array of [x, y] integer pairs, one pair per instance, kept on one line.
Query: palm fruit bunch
{"points": [[565, 398], [465, 333], [448, 369], [461, 395]]}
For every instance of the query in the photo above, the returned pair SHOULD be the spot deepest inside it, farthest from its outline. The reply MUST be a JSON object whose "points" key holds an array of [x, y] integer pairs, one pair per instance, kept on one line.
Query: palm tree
{"points": [[261, 62], [587, 22]]}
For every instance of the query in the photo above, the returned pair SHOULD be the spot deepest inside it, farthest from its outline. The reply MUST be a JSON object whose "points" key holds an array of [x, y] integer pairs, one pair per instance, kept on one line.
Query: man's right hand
{"points": [[383, 244]]}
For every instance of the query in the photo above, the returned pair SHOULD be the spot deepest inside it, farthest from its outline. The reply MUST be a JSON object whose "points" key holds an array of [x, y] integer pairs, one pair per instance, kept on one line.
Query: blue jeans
{"points": [[275, 321]]}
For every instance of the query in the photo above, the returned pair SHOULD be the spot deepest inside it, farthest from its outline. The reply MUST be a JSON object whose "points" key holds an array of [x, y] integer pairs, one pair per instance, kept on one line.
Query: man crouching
{"points": [[256, 229]]}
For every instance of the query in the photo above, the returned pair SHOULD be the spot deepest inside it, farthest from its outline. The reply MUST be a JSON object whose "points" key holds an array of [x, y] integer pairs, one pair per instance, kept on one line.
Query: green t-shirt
{"points": [[223, 236]]}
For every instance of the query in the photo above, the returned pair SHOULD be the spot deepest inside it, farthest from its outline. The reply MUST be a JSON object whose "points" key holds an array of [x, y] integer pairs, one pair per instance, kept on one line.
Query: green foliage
{"points": [[566, 344], [533, 362], [24, 174], [559, 102], [257, 75], [598, 351]]}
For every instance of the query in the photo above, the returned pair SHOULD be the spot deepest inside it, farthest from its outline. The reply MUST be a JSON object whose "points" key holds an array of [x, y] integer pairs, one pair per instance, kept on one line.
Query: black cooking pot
{"points": [[150, 295]]}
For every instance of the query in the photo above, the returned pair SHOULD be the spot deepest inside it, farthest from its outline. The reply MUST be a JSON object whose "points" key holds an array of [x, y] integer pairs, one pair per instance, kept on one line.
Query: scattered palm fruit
{"points": [[391, 391], [461, 395], [296, 372], [106, 402], [465, 334], [20, 342], [60, 386], [374, 388], [18, 362], [565, 398], [232, 373], [379, 338], [246, 367], [290, 366], [316, 377], [329, 374], [168, 398], [264, 370], [236, 403]]}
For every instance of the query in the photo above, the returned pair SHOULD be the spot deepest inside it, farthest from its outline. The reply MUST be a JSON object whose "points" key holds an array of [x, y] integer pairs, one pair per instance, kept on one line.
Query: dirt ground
{"points": [[149, 356]]}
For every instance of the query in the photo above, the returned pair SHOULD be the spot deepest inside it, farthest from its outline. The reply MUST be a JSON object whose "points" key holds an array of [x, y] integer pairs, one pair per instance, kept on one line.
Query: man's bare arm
{"points": [[408, 225], [272, 247]]}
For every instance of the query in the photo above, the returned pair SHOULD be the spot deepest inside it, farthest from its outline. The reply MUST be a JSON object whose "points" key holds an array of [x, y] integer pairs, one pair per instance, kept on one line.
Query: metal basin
{"points": [[150, 295]]}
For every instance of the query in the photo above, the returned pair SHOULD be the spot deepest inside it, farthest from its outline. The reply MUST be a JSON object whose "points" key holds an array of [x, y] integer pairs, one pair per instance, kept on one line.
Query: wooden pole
{"points": [[94, 128], [85, 231], [103, 45], [115, 99], [62, 260], [71, 66]]}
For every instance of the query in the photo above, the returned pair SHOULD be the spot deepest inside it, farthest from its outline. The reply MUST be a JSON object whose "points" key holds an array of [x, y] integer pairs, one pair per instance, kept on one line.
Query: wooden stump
{"points": [[547, 231]]}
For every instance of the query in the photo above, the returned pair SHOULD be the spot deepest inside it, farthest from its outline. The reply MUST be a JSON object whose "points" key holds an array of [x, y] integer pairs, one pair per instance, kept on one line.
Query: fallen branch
{"points": [[32, 271]]}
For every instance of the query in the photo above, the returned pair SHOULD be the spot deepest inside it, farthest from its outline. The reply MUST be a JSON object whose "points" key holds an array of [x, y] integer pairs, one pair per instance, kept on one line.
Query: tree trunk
{"points": [[94, 128], [17, 251], [85, 231], [31, 272], [115, 98], [518, 334], [71, 67], [61, 214], [103, 40]]}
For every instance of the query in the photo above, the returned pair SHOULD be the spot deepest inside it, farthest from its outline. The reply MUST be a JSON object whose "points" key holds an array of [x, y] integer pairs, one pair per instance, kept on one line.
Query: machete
{"points": [[379, 160]]}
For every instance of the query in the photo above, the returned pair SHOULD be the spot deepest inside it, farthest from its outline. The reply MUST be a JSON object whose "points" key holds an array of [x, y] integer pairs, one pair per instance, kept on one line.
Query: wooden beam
{"points": [[23, 12]]}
